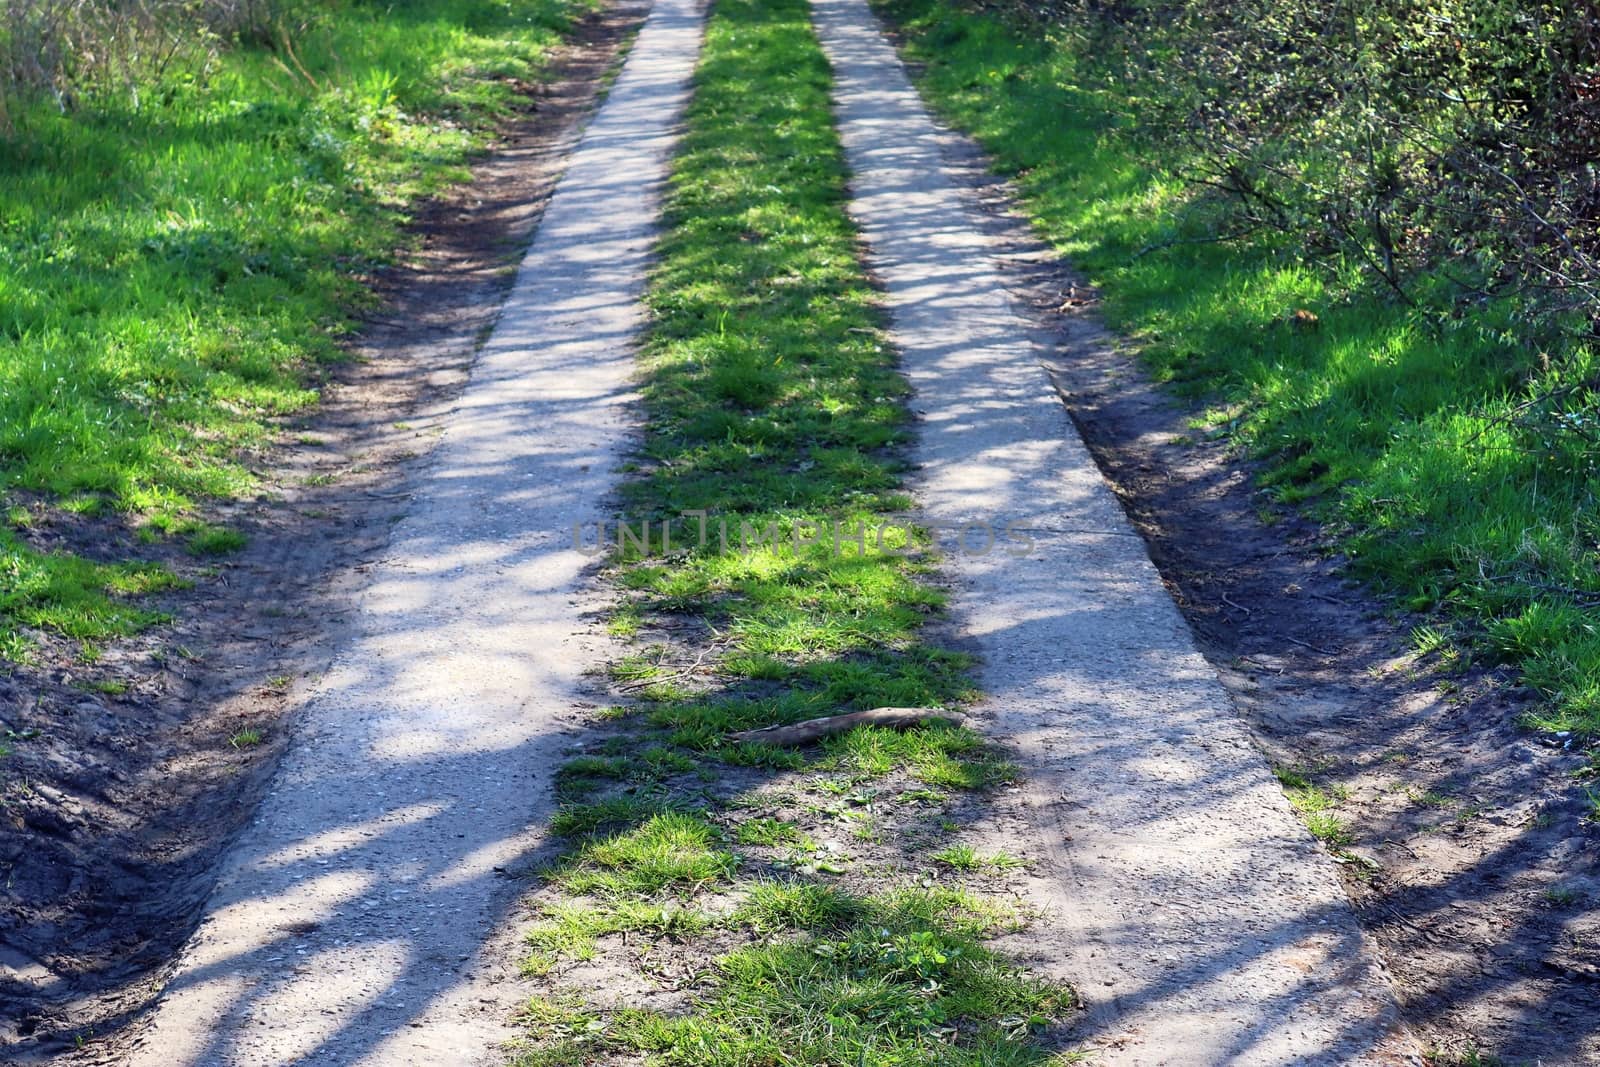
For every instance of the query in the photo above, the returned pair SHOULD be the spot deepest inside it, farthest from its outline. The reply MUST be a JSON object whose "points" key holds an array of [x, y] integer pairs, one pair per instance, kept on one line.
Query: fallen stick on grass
{"points": [[804, 733]]}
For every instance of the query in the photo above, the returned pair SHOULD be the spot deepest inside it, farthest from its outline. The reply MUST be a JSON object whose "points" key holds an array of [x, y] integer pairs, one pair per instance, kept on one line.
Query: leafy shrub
{"points": [[1448, 147]]}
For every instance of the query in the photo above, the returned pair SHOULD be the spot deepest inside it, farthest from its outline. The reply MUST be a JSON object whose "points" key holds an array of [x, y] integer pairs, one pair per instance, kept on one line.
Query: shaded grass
{"points": [[773, 407], [577, 820], [1392, 424], [177, 264], [871, 991]]}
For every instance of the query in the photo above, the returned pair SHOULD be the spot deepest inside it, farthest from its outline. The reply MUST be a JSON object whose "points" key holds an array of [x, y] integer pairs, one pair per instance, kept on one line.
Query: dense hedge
{"points": [[1442, 144]]}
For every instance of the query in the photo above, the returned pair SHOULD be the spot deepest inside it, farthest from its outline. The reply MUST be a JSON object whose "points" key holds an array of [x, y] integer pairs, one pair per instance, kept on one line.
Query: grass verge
{"points": [[726, 903], [178, 261], [1446, 465]]}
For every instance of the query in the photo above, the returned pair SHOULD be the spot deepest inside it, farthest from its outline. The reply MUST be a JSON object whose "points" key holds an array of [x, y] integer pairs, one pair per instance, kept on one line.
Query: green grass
{"points": [[868, 993], [207, 540], [951, 757], [773, 404], [73, 597], [1317, 806], [1471, 1056], [764, 831], [858, 980], [176, 266], [570, 930], [580, 820], [967, 858], [774, 905], [247, 738], [1389, 423], [672, 850], [1562, 896]]}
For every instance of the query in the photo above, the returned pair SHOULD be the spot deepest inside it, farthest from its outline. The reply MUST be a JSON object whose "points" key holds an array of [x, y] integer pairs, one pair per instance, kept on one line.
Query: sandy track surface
{"points": [[1195, 914], [357, 921]]}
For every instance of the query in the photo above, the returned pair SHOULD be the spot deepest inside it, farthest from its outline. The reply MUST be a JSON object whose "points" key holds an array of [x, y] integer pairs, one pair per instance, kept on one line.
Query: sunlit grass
{"points": [[178, 263], [71, 596], [569, 930], [670, 851]]}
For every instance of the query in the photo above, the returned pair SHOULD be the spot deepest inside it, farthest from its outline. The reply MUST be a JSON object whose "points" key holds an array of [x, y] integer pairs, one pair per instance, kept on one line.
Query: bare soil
{"points": [[130, 776], [1472, 863]]}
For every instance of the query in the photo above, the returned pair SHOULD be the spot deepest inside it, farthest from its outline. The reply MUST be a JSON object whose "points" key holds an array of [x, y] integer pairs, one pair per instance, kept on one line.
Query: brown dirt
{"points": [[114, 806], [1471, 863]]}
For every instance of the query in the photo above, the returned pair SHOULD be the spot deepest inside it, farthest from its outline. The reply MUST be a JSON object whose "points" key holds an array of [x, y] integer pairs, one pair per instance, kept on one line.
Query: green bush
{"points": [[1446, 146]]}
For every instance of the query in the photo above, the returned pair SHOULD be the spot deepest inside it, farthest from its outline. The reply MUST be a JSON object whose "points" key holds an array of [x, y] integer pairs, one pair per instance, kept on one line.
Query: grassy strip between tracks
{"points": [[1418, 434], [723, 903]]}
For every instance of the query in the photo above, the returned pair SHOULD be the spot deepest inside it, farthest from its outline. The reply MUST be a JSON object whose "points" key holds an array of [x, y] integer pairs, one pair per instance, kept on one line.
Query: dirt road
{"points": [[365, 918]]}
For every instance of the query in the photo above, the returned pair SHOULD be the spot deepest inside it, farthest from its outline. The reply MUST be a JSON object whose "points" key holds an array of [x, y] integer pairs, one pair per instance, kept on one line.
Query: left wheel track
{"points": [[359, 920]]}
